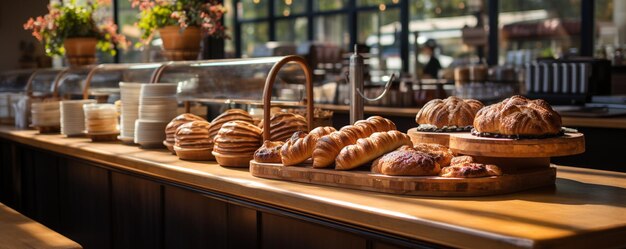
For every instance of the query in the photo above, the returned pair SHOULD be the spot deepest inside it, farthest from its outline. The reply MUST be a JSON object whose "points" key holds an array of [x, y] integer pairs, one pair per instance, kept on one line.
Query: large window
{"points": [[535, 28]]}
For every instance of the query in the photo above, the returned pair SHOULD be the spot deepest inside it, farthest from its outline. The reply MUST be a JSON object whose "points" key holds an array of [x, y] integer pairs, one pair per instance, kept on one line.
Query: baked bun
{"points": [[269, 152], [461, 160], [441, 153], [300, 146], [283, 125], [376, 124], [227, 116], [192, 141], [518, 116], [170, 129], [470, 170], [368, 149], [452, 111], [235, 143], [406, 161]]}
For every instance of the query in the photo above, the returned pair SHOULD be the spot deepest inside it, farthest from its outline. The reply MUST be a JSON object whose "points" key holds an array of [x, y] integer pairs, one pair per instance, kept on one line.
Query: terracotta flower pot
{"points": [[181, 45], [80, 51]]}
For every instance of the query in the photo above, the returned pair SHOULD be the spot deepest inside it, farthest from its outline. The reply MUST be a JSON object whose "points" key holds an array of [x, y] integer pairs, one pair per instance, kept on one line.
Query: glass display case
{"points": [[102, 82], [41, 83], [239, 81]]}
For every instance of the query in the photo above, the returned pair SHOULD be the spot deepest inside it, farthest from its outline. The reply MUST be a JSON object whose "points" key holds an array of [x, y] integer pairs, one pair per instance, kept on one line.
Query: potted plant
{"points": [[180, 24], [72, 30]]}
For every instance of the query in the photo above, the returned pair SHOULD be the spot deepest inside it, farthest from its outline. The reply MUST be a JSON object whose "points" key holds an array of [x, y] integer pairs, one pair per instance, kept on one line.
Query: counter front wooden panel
{"points": [[585, 209]]}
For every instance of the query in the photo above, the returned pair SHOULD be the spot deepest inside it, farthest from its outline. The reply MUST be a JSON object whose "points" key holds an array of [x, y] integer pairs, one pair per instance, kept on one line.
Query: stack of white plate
{"points": [[157, 107], [100, 119], [46, 114], [73, 117], [130, 110]]}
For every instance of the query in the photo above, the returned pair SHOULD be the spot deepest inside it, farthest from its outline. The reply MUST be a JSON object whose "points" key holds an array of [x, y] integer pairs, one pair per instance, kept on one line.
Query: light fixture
{"points": [[382, 7], [288, 2], [256, 1]]}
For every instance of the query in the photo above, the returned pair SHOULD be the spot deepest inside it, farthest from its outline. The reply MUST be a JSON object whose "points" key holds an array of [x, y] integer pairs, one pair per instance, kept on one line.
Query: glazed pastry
{"points": [[170, 129], [368, 149], [283, 125], [470, 170], [518, 116], [227, 116], [452, 111], [235, 143], [329, 146], [461, 160], [406, 161], [269, 152], [441, 153], [192, 141], [300, 146]]}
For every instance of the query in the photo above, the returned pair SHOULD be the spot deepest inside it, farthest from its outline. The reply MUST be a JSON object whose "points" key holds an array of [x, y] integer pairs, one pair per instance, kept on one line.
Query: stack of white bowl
{"points": [[100, 119], [73, 117], [46, 114], [157, 107], [130, 110]]}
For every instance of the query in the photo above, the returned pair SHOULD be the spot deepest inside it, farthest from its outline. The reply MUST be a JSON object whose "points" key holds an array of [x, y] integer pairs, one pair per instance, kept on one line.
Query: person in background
{"points": [[431, 69]]}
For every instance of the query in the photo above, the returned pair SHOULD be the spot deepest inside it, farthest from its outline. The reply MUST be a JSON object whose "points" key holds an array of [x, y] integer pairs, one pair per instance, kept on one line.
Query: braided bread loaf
{"points": [[283, 125], [452, 111], [368, 149], [518, 115], [300, 146], [329, 146]]}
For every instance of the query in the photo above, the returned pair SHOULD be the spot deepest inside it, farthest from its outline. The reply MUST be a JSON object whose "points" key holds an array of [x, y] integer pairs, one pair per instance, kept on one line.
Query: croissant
{"points": [[518, 115], [300, 146], [329, 146], [368, 149]]}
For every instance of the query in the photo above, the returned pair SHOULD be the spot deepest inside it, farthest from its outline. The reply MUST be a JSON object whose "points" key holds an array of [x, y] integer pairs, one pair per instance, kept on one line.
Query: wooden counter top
{"points": [[18, 231], [587, 208], [608, 122]]}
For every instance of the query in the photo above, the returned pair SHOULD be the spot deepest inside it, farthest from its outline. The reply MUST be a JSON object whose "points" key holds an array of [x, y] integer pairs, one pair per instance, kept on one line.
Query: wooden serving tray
{"points": [[442, 138], [468, 144], [408, 185]]}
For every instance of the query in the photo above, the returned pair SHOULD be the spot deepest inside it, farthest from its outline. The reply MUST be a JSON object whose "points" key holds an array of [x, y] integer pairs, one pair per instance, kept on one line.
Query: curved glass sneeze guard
{"points": [[41, 82], [238, 81], [15, 81], [102, 82]]}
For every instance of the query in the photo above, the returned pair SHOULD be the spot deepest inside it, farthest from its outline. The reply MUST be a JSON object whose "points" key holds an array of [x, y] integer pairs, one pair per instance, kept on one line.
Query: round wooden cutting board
{"points": [[468, 144], [442, 138]]}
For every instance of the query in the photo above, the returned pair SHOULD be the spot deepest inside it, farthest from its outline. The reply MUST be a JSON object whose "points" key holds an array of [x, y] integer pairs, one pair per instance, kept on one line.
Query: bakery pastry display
{"points": [[461, 160], [368, 149], [269, 152], [518, 117], [300, 146], [329, 146], [227, 116], [192, 142], [442, 154], [406, 161], [283, 125], [172, 126], [235, 143], [470, 170], [450, 114]]}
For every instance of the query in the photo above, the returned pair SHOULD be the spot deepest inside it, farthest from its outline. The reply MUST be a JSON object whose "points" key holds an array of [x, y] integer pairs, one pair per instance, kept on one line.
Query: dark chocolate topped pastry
{"points": [[518, 117]]}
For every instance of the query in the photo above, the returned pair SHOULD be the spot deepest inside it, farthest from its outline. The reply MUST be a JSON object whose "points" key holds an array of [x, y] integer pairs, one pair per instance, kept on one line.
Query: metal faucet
{"points": [[355, 78]]}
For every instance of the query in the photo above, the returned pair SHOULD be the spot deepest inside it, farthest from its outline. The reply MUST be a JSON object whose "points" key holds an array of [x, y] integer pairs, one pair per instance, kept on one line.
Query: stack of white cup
{"points": [[73, 117], [157, 107], [130, 110]]}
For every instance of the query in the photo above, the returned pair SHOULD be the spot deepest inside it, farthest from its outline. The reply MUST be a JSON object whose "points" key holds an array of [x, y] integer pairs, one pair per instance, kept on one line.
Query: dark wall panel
{"points": [[193, 220], [242, 227], [86, 204], [137, 212], [282, 232]]}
